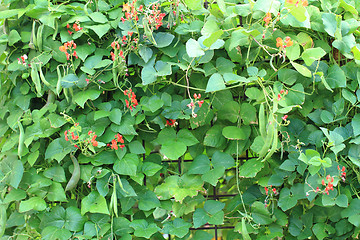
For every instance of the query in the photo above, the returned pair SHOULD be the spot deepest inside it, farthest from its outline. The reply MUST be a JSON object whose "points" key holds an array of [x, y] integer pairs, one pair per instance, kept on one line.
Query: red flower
{"points": [[70, 32], [267, 18], [170, 122], [95, 143], [274, 190], [266, 190], [114, 144], [112, 56], [66, 136], [67, 25], [201, 103], [284, 117]]}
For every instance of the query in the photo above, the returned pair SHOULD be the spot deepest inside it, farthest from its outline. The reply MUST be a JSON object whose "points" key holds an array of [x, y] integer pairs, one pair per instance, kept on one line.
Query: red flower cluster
{"points": [[73, 137], [75, 27], [132, 102], [22, 59], [343, 173], [156, 16], [273, 190], [329, 185], [131, 12], [69, 49], [280, 43], [171, 122], [115, 45], [303, 2], [114, 143], [93, 137], [267, 18]]}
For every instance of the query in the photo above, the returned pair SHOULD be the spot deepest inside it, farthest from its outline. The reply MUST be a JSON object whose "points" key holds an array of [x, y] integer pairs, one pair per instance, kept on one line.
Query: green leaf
{"points": [[163, 39], [235, 133], [213, 137], [312, 54], [342, 201], [355, 220], [186, 137], [148, 75], [143, 228], [221, 159], [58, 149], [115, 115], [81, 97], [178, 227], [355, 123], [194, 4], [94, 203], [51, 232], [100, 29], [302, 69], [173, 149], [330, 23], [286, 201], [319, 230], [155, 103], [250, 168], [34, 203], [348, 96], [267, 6], [213, 175], [150, 168], [215, 83], [193, 48], [209, 41], [200, 165], [69, 80], [145, 53], [260, 214], [148, 200], [127, 165], [98, 17], [336, 77], [230, 111], [212, 206], [14, 37], [136, 147], [56, 193], [55, 173], [248, 113], [179, 187], [200, 217], [163, 68]]}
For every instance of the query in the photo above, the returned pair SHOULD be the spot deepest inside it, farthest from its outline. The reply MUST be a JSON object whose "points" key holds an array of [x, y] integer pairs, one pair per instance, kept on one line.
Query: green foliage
{"points": [[122, 120]]}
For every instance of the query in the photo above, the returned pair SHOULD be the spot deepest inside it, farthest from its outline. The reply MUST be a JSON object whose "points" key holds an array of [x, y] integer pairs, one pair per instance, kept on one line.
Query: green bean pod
{"points": [[58, 85], [43, 79], [33, 34], [21, 139], [262, 121], [113, 200], [66, 93], [36, 79], [75, 177], [3, 208], [39, 38], [56, 30]]}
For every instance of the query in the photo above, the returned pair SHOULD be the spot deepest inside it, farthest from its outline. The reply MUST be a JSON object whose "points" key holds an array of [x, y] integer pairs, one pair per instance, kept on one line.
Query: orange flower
{"points": [[279, 42], [290, 1], [126, 7], [267, 18], [305, 3], [63, 48], [288, 42]]}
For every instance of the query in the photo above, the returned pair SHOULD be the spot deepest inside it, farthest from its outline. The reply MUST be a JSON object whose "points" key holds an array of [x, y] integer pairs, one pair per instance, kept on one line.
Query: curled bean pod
{"points": [[75, 177], [21, 139]]}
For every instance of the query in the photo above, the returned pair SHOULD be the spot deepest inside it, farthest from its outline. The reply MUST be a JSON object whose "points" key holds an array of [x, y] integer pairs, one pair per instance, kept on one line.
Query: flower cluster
{"points": [[131, 12], [329, 185], [69, 49], [115, 45], [75, 27], [304, 3], [93, 138], [267, 19], [343, 173], [22, 61], [155, 17], [284, 43], [273, 192], [193, 103], [132, 102], [117, 142], [171, 122]]}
